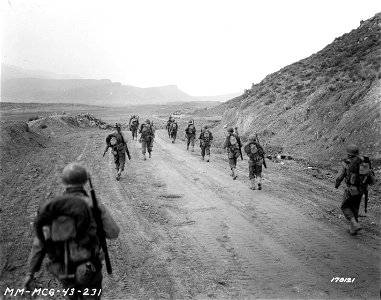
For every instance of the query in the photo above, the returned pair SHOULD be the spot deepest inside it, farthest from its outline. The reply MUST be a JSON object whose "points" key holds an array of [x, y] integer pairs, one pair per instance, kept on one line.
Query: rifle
{"points": [[128, 153], [366, 200], [263, 155], [240, 144], [100, 230]]}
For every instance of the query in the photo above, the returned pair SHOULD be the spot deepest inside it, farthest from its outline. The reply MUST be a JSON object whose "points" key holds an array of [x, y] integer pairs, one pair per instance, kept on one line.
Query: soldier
{"points": [[190, 134], [168, 126], [205, 138], [68, 234], [134, 126], [256, 154], [355, 169], [117, 141], [173, 131], [147, 135], [233, 145]]}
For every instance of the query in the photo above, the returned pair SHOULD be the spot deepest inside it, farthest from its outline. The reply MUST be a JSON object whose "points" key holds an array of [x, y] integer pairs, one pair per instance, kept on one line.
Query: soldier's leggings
{"points": [[205, 150], [190, 140], [147, 146], [120, 160], [351, 205]]}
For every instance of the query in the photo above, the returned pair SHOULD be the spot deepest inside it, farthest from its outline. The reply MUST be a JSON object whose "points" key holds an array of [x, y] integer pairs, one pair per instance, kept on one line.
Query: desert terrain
{"points": [[187, 229]]}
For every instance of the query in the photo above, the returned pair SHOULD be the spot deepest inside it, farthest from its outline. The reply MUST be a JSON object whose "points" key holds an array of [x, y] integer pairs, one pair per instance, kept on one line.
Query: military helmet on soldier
{"points": [[148, 121], [352, 150], [230, 130], [118, 125], [205, 126], [74, 174], [252, 138]]}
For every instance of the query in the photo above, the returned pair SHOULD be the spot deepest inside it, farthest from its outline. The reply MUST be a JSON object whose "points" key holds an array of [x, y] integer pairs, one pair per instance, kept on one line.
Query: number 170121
{"points": [[342, 279]]}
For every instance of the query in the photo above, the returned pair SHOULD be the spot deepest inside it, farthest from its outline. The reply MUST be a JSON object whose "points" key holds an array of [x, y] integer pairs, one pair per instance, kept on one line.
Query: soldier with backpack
{"points": [[205, 138], [232, 145], [147, 135], [168, 126], [68, 233], [256, 154], [134, 126], [173, 131], [117, 141], [190, 134], [357, 173]]}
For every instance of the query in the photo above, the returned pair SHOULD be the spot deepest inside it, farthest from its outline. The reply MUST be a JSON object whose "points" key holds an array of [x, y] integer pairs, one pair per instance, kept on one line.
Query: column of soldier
{"points": [[71, 230]]}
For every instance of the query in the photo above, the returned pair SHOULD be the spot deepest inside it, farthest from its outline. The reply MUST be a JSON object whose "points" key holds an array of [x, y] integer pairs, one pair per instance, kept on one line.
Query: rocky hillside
{"points": [[313, 108]]}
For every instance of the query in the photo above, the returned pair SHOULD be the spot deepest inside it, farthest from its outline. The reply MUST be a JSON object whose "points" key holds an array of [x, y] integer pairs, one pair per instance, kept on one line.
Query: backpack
{"points": [[359, 174], [65, 228], [146, 130], [254, 151], [174, 127], [206, 136]]}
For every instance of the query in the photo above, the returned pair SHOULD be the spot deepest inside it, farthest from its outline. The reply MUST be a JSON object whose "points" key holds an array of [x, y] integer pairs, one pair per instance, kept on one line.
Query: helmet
{"points": [[118, 125], [352, 150], [206, 127], [74, 174], [230, 129], [147, 121], [252, 138], [190, 122]]}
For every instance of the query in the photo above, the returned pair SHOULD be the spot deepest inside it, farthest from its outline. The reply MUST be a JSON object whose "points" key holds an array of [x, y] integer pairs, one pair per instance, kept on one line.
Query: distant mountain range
{"points": [[21, 85]]}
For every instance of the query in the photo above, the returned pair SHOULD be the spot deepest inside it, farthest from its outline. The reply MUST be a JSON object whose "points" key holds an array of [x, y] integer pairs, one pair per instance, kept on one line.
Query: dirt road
{"points": [[189, 231]]}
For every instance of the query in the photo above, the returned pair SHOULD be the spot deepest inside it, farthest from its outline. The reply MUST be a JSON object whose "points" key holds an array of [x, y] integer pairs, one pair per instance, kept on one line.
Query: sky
{"points": [[205, 47]]}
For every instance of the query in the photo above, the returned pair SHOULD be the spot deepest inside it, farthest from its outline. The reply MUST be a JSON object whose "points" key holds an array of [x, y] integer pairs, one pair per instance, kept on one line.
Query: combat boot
{"points": [[259, 186], [149, 154], [354, 226], [187, 147], [118, 175], [192, 148], [144, 157], [252, 184], [202, 157], [207, 158]]}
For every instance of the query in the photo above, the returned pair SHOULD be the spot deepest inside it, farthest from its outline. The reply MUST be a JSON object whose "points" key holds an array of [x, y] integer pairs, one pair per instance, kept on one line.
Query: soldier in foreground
{"points": [[147, 135], [173, 131], [355, 169], [233, 146], [190, 134], [205, 138], [69, 231], [256, 154], [117, 141]]}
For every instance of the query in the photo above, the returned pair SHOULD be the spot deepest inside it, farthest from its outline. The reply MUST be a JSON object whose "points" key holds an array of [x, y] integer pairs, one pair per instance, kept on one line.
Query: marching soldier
{"points": [[190, 134], [357, 173], [205, 138], [134, 126], [117, 141], [147, 135], [256, 154], [233, 146], [173, 131], [68, 234], [168, 126]]}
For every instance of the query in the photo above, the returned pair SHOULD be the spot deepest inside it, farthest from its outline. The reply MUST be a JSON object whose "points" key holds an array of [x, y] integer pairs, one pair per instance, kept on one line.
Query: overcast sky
{"points": [[204, 47]]}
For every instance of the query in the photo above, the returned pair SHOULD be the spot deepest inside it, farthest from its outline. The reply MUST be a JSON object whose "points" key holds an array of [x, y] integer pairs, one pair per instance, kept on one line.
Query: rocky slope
{"points": [[313, 108]]}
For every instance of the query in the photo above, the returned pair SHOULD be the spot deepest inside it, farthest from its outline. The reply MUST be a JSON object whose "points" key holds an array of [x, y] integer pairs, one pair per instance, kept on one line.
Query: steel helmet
{"points": [[230, 129], [353, 149], [252, 138], [118, 125], [74, 174], [147, 121], [206, 127]]}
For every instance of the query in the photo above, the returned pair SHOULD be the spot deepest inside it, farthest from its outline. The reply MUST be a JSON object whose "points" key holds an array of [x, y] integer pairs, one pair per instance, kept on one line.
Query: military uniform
{"points": [[356, 185], [147, 135], [173, 131], [233, 145], [74, 178], [134, 126], [255, 152], [190, 133], [205, 138], [118, 149], [168, 126]]}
